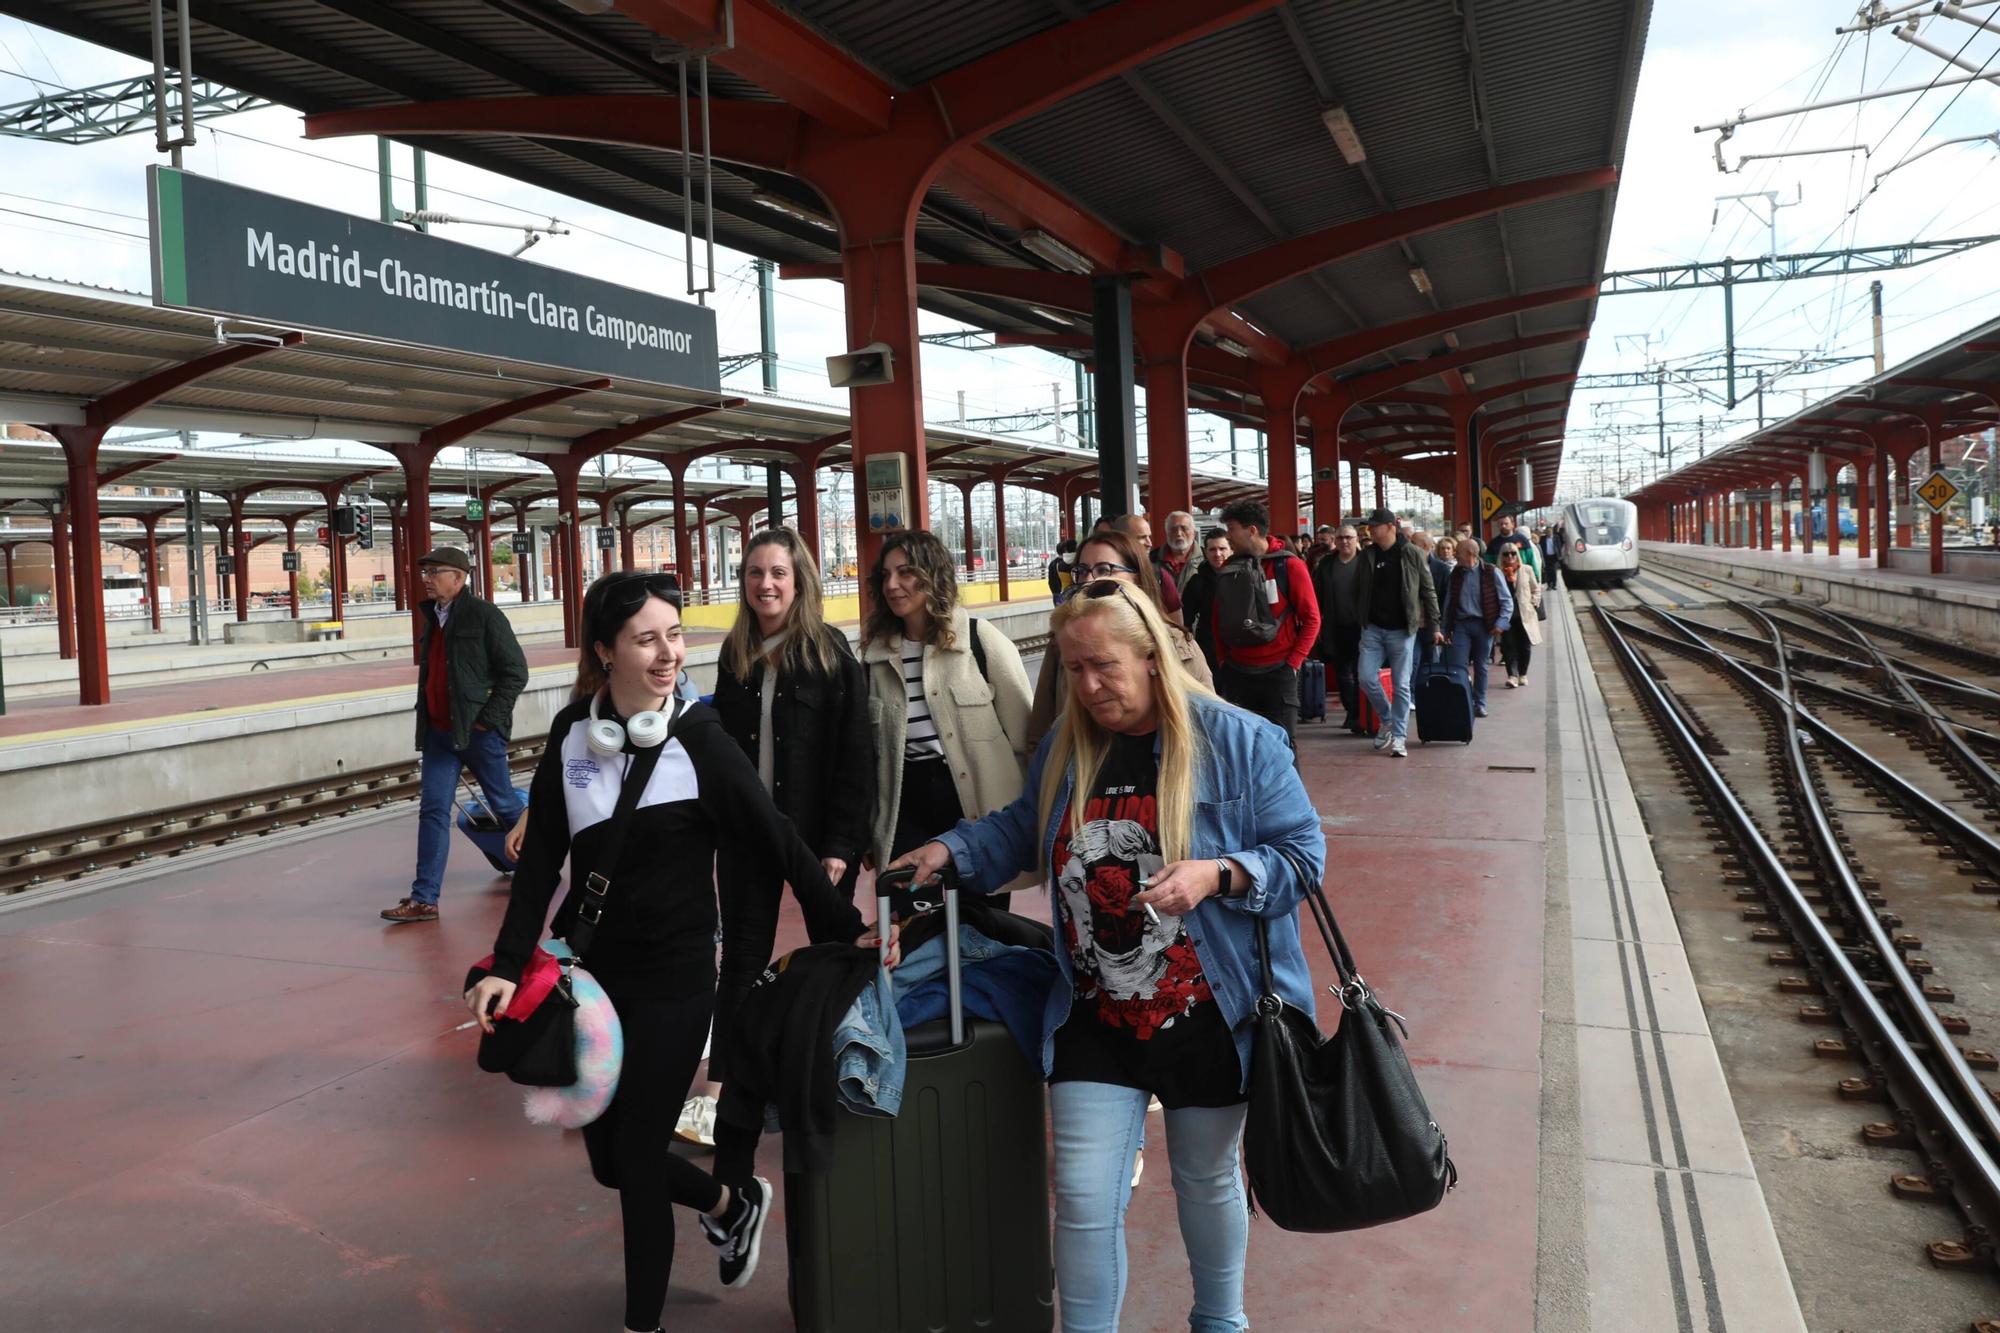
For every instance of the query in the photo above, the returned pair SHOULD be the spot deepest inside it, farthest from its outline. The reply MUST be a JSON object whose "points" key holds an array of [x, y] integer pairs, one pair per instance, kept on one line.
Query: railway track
{"points": [[1869, 879], [59, 856]]}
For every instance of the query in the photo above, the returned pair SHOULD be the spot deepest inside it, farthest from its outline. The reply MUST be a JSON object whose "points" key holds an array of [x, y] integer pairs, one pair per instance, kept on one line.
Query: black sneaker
{"points": [[742, 1238]]}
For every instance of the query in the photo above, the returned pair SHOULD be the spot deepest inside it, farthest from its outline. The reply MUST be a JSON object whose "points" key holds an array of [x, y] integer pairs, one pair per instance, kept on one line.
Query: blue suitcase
{"points": [[1443, 703], [486, 833], [1312, 691]]}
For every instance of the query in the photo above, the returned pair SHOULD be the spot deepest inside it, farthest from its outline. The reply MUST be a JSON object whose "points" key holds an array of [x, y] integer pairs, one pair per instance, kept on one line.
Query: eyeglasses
{"points": [[1104, 569]]}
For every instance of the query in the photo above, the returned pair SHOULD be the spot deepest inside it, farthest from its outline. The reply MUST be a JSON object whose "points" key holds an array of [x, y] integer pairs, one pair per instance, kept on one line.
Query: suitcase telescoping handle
{"points": [[905, 878]]}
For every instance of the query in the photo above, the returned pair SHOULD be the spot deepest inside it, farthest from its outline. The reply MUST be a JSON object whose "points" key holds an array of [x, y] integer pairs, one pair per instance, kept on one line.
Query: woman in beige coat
{"points": [[1109, 555], [947, 700], [1525, 630]]}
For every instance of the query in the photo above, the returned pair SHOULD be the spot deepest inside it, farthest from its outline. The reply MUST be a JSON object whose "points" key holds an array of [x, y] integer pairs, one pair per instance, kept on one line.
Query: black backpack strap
{"points": [[978, 648], [638, 771]]}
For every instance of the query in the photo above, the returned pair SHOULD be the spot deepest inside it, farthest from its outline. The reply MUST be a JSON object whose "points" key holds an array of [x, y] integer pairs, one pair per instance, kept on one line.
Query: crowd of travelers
{"points": [[1129, 783]]}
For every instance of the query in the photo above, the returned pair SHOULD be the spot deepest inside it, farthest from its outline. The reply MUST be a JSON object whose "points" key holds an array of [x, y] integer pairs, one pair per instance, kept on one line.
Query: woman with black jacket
{"points": [[654, 949], [790, 692]]}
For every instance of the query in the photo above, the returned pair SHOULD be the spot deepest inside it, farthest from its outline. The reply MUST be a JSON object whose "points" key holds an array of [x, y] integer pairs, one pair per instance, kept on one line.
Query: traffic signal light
{"points": [[364, 527]]}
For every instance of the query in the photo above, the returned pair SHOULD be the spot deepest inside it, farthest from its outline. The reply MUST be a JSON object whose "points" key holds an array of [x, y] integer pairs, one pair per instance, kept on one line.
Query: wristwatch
{"points": [[1222, 884]]}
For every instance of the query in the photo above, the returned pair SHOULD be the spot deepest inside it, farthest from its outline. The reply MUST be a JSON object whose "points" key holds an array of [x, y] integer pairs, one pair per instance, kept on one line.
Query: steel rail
{"points": [[1966, 836], [1974, 1175], [1943, 729], [114, 844]]}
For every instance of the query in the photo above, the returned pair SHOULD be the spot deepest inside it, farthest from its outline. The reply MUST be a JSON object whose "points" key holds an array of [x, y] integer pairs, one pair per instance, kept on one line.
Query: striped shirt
{"points": [[920, 738]]}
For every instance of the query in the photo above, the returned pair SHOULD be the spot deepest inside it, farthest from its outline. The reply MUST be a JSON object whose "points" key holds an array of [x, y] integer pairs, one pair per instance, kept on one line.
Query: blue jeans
{"points": [[1387, 648], [486, 755], [1098, 1127], [1471, 647]]}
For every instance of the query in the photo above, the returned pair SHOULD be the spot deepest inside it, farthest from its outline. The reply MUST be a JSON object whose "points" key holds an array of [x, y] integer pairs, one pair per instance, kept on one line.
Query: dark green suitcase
{"points": [[935, 1220]]}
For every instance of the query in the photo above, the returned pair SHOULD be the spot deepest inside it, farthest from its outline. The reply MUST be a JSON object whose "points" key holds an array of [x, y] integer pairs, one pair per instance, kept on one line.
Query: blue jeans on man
{"points": [[1387, 648], [1472, 648], [486, 755]]}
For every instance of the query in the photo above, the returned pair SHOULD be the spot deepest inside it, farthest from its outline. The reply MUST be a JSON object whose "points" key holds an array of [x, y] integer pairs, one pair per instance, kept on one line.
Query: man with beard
{"points": [[1177, 561]]}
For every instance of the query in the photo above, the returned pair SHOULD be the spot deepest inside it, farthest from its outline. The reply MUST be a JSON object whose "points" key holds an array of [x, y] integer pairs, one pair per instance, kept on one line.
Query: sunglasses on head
{"points": [[1101, 588], [632, 589]]}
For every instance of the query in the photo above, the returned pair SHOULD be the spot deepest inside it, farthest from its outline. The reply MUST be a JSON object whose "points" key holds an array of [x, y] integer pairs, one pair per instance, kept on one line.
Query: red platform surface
{"points": [[235, 1100]]}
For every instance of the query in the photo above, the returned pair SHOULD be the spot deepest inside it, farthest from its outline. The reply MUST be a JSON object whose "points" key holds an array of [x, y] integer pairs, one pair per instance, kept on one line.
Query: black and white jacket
{"points": [[660, 914]]}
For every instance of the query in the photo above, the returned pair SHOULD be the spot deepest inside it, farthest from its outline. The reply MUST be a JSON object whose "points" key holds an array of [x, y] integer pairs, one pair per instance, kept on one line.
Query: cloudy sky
{"points": [[79, 214]]}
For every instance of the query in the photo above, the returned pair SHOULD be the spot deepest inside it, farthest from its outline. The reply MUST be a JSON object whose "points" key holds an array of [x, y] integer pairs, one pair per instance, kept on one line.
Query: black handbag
{"points": [[1338, 1135], [538, 1049]]}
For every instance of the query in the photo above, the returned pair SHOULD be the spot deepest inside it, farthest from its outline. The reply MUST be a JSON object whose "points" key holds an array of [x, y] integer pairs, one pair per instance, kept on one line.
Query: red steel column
{"points": [[683, 548], [701, 527], [239, 551], [878, 268], [416, 459], [1170, 478], [485, 534], [1884, 517], [971, 555], [65, 590], [999, 527], [568, 519], [93, 663], [1325, 453], [627, 552], [1833, 471], [8, 598], [152, 558], [1785, 515], [556, 571]]}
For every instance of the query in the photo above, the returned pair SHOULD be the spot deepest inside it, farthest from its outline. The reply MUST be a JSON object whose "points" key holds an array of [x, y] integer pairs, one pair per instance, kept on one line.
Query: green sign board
{"points": [[226, 250]]}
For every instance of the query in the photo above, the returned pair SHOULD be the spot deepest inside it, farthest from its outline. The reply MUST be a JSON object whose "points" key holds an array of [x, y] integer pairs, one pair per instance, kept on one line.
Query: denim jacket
{"points": [[869, 1055], [1006, 983], [1249, 806]]}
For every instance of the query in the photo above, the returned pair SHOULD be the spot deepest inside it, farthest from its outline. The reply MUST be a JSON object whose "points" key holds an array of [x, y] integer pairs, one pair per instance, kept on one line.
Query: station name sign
{"points": [[226, 250]]}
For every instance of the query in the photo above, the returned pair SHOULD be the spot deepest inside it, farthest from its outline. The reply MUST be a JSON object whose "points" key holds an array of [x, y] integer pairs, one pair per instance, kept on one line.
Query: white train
{"points": [[1600, 541]]}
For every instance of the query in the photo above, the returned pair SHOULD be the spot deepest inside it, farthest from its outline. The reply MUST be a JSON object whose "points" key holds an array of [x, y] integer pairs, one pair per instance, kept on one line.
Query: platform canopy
{"points": [[1373, 229], [1953, 388], [1892, 429], [64, 346]]}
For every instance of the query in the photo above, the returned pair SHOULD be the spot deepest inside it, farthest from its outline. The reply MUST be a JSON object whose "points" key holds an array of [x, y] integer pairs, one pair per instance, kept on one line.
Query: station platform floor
{"points": [[237, 1101], [1847, 568]]}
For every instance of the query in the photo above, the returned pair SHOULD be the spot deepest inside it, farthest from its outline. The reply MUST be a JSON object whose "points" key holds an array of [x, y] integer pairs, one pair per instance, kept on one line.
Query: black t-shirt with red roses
{"points": [[1143, 1016]]}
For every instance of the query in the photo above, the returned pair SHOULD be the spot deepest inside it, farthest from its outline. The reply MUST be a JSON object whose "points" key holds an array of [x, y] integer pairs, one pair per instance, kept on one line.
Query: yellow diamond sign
{"points": [[1490, 502], [1937, 492]]}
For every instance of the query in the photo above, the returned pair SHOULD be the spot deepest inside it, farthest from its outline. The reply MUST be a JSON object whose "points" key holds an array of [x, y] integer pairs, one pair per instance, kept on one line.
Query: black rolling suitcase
{"points": [[937, 1219], [1443, 700], [483, 829], [1312, 690]]}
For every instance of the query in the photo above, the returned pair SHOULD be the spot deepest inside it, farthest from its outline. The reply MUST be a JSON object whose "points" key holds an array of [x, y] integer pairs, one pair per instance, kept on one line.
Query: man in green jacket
{"points": [[470, 670]]}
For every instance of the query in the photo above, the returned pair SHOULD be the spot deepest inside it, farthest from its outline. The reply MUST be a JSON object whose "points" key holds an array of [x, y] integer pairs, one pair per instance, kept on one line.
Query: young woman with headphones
{"points": [[654, 949]]}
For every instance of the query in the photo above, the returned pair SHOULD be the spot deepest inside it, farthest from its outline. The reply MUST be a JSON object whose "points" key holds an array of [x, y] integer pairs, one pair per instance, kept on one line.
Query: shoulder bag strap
{"points": [[978, 648], [638, 771]]}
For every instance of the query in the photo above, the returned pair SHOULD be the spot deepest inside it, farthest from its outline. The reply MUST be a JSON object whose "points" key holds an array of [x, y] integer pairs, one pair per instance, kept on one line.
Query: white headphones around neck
{"points": [[645, 730]]}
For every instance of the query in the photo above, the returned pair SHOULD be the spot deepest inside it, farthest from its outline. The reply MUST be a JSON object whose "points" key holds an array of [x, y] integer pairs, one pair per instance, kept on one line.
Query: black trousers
{"points": [[631, 1144], [929, 807], [1341, 664], [1516, 649], [1272, 695]]}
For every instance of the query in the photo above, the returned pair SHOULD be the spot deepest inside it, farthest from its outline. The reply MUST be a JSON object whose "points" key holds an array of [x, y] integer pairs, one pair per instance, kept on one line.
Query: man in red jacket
{"points": [[1257, 667]]}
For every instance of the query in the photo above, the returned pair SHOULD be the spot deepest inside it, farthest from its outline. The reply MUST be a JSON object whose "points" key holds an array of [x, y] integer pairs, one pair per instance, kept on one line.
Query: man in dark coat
{"points": [[470, 670]]}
